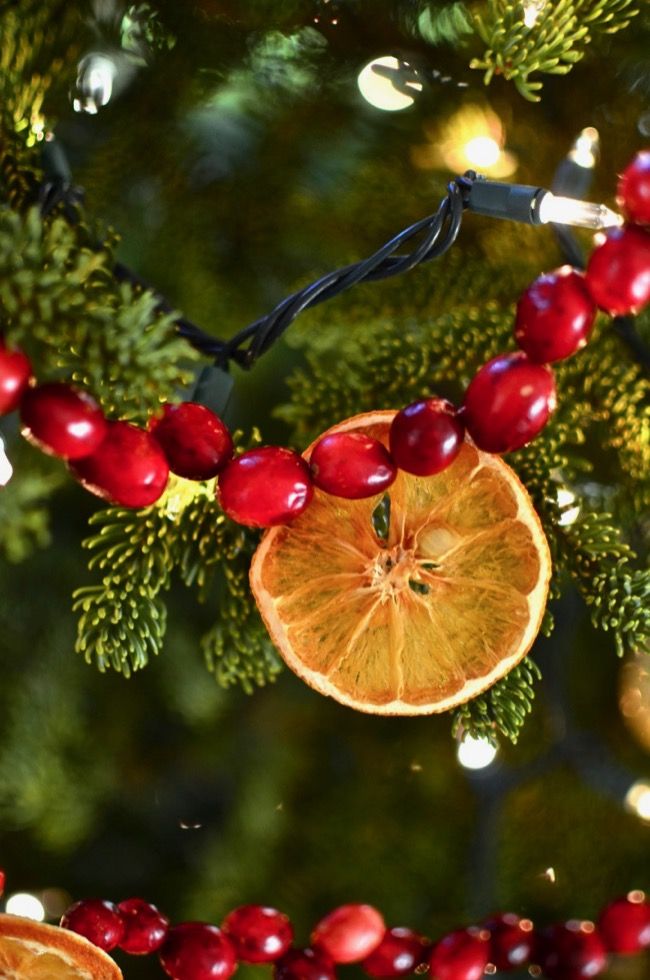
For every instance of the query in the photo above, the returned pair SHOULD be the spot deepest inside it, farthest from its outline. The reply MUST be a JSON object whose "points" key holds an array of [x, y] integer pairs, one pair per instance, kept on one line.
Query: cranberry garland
{"points": [[357, 933], [506, 405]]}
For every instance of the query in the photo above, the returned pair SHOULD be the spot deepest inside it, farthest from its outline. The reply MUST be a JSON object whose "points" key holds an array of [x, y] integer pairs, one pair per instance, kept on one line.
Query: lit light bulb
{"points": [[637, 800], [482, 151], [569, 515], [386, 83], [532, 11], [6, 469], [95, 76], [585, 148], [29, 906], [582, 214], [475, 753]]}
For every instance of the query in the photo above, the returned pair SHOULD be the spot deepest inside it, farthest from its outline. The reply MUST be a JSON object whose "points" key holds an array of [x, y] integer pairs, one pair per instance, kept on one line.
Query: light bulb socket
{"points": [[512, 202]]}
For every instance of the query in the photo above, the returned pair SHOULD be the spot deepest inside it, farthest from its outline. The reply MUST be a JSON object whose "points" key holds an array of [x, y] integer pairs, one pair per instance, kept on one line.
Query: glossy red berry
{"points": [[195, 441], [129, 467], [145, 927], [197, 951], [426, 436], [349, 933], [625, 924], [62, 421], [511, 941], [304, 964], [259, 934], [462, 955], [618, 272], [571, 951], [15, 372], [555, 315], [2, 882], [633, 193], [508, 402], [265, 486], [397, 955], [351, 465], [97, 920]]}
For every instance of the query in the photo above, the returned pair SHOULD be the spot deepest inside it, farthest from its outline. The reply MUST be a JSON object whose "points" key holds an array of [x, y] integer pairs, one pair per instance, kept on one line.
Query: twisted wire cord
{"points": [[439, 231]]}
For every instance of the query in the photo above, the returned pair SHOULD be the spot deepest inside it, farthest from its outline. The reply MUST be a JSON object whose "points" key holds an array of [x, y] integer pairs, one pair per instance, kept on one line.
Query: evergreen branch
{"points": [[502, 709], [551, 44], [123, 620]]}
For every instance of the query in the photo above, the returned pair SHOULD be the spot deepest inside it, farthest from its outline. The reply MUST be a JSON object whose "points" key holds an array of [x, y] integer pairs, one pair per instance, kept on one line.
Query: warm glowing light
{"points": [[475, 753], [6, 469], [637, 799], [387, 83], [472, 138], [565, 498], [585, 148], [582, 214], [634, 698], [95, 77], [532, 11], [29, 906]]}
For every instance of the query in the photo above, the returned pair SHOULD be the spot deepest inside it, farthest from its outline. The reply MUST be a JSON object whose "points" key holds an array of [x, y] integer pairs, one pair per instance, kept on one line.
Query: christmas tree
{"points": [[167, 165]]}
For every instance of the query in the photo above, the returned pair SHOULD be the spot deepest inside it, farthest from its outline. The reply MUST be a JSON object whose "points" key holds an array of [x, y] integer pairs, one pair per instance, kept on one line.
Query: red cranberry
{"points": [[265, 486], [462, 955], [129, 467], [197, 951], [15, 372], [571, 951], [508, 402], [555, 315], [349, 933], [511, 941], [426, 437], [618, 272], [2, 882], [260, 934], [97, 920], [351, 465], [398, 954], [633, 193], [625, 924], [62, 421], [195, 441], [304, 964], [145, 928]]}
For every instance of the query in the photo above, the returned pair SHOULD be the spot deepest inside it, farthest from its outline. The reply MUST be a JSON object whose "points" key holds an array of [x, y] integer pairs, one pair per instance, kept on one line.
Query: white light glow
{"points": [[379, 87], [565, 497], [29, 906], [532, 11], [585, 149], [582, 214], [95, 77], [637, 799], [6, 469], [482, 151], [475, 753]]}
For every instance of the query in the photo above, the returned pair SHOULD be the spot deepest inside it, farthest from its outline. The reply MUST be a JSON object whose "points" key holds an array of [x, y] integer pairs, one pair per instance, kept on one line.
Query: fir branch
{"points": [[123, 619], [551, 45], [60, 301], [502, 709]]}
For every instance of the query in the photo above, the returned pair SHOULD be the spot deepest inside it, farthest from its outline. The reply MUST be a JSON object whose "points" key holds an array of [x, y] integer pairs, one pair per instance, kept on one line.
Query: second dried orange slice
{"points": [[424, 617]]}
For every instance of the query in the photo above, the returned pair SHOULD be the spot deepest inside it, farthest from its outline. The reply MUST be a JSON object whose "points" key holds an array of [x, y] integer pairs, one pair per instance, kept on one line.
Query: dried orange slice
{"points": [[34, 951], [424, 619]]}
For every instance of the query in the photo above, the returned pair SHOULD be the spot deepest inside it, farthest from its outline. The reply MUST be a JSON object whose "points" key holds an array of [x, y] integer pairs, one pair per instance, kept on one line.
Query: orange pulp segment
{"points": [[34, 951], [424, 620]]}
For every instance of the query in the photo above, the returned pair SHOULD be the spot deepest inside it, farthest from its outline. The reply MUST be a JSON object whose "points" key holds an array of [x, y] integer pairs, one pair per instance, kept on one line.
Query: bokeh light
{"points": [[472, 138], [476, 753], [29, 906], [383, 83]]}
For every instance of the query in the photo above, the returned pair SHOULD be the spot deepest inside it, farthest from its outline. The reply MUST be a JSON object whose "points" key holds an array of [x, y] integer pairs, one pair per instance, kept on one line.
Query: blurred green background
{"points": [[239, 161]]}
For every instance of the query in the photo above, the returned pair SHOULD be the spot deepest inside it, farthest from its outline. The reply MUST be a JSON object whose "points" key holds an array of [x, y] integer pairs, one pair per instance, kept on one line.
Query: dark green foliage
{"points": [[503, 709], [552, 44]]}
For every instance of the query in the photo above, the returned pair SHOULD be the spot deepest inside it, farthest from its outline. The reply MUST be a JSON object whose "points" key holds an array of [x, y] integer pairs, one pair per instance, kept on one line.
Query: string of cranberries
{"points": [[356, 933], [506, 405]]}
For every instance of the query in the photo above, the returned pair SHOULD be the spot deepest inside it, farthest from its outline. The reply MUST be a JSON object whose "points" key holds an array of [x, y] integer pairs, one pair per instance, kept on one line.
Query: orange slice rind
{"points": [[32, 950], [422, 621]]}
